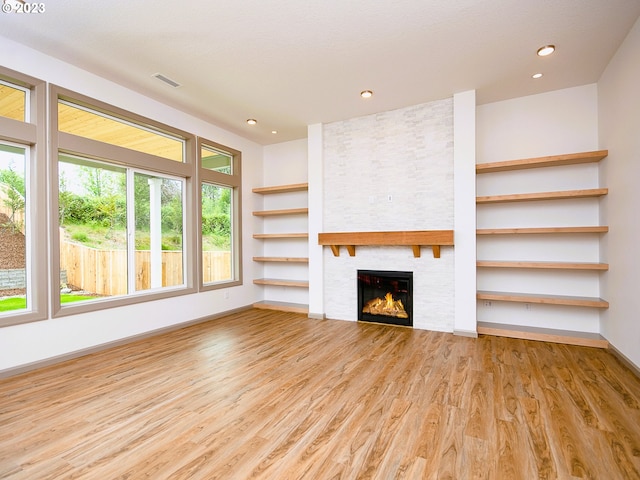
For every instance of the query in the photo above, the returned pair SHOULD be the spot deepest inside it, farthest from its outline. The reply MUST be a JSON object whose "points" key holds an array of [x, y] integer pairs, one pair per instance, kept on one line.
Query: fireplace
{"points": [[385, 297]]}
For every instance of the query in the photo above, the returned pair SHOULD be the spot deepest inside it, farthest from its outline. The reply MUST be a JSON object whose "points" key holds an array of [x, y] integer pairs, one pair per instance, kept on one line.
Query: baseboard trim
{"points": [[465, 333], [317, 316], [624, 360], [27, 367]]}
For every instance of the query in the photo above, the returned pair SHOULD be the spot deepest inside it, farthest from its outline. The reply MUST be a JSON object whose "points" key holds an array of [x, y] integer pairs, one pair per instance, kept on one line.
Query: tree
{"points": [[216, 214], [15, 191], [98, 182]]}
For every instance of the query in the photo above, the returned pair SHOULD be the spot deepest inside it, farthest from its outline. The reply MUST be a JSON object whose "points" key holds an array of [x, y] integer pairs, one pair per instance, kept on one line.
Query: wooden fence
{"points": [[105, 271]]}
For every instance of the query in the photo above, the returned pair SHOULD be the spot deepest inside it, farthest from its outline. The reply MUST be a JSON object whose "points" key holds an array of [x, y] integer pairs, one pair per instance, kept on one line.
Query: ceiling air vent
{"points": [[166, 80]]}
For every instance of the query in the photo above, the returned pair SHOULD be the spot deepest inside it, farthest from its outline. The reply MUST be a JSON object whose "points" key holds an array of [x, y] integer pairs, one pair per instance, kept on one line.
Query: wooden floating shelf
{"points": [[413, 238], [295, 187], [282, 282], [282, 306], [528, 197], [543, 265], [541, 230], [280, 235], [286, 211], [568, 337], [282, 259], [540, 162], [591, 302]]}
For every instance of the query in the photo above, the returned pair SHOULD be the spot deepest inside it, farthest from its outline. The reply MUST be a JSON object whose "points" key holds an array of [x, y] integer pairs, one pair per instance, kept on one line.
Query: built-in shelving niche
{"points": [[282, 237], [533, 332]]}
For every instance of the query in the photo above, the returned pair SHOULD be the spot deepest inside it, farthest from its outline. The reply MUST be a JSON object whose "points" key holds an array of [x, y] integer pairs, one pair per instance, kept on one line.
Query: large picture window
{"points": [[136, 210], [121, 231], [123, 195]]}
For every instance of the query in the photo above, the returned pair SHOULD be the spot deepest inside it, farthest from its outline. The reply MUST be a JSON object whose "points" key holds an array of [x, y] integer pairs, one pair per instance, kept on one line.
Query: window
{"points": [[219, 216], [122, 207], [13, 235], [14, 102], [158, 224], [88, 123], [23, 248], [98, 257], [211, 159], [216, 223], [124, 226]]}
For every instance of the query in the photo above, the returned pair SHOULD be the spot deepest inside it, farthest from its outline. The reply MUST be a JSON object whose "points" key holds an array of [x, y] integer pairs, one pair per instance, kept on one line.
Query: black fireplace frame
{"points": [[399, 284]]}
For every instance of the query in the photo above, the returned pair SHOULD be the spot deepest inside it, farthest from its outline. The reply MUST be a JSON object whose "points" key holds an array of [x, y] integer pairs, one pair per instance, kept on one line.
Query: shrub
{"points": [[80, 237], [216, 225]]}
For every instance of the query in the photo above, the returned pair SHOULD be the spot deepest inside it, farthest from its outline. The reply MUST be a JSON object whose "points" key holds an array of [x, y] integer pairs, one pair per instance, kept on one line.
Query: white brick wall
{"points": [[406, 154]]}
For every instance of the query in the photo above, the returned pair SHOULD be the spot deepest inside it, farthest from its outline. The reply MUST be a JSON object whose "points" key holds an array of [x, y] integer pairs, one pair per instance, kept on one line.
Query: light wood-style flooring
{"points": [[272, 395]]}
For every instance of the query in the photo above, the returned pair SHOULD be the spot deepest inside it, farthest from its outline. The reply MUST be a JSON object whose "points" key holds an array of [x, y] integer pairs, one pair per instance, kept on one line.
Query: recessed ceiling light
{"points": [[252, 121], [546, 50], [274, 131], [536, 75], [366, 94]]}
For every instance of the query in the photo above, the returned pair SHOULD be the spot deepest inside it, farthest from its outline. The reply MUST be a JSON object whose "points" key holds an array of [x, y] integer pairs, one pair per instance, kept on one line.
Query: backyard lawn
{"points": [[20, 303]]}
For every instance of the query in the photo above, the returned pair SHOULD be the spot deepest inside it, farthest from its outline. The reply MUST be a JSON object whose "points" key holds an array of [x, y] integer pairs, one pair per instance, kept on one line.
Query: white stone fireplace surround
{"points": [[388, 172]]}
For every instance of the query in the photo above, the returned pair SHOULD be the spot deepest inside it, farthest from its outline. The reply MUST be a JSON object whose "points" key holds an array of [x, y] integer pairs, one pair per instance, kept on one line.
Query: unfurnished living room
{"points": [[319, 240]]}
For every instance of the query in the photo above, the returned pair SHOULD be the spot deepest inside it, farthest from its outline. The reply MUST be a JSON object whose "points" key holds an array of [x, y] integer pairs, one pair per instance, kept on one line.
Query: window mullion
{"points": [[131, 230]]}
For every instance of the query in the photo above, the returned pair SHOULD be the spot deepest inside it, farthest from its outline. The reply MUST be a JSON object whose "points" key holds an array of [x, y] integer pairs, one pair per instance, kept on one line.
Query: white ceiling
{"points": [[291, 63]]}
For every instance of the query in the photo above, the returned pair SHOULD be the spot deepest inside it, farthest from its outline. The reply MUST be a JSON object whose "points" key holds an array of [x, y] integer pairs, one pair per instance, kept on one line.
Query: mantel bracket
{"points": [[335, 249]]}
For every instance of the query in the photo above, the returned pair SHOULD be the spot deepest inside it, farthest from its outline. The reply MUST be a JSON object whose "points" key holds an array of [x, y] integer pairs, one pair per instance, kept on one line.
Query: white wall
{"points": [[562, 121], [464, 187], [23, 344], [619, 108], [558, 122], [406, 154], [284, 163], [316, 222]]}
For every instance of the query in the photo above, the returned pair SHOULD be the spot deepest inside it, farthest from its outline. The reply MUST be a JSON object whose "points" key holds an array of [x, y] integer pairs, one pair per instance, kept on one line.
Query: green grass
{"points": [[80, 237], [20, 303], [69, 298], [96, 236], [100, 237], [13, 303]]}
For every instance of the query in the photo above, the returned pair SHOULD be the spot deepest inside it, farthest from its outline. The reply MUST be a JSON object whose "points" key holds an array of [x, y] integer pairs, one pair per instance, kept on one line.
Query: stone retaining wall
{"points": [[16, 278]]}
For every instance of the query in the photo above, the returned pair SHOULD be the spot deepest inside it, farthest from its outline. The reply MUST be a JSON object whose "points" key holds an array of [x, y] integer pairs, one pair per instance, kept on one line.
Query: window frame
{"points": [[33, 135], [233, 181], [62, 142]]}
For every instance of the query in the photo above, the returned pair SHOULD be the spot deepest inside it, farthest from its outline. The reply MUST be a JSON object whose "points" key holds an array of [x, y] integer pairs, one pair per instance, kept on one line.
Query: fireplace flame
{"points": [[387, 306]]}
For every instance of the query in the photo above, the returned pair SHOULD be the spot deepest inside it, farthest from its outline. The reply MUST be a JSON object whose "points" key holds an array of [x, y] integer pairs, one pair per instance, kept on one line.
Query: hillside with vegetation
{"points": [[13, 251]]}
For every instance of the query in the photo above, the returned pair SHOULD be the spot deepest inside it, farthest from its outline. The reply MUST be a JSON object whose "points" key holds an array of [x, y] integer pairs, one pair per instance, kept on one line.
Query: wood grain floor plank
{"points": [[264, 394], [475, 457], [477, 403], [572, 450], [538, 439], [510, 463]]}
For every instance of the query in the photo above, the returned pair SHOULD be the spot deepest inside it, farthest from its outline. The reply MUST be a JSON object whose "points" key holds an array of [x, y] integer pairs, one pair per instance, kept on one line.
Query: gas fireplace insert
{"points": [[385, 297]]}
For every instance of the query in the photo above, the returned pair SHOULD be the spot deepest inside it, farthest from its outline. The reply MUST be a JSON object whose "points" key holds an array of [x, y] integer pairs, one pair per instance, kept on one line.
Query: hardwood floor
{"points": [[272, 395]]}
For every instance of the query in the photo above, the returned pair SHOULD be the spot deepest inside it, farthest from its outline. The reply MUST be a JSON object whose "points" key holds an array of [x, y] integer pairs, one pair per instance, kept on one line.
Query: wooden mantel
{"points": [[413, 238]]}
